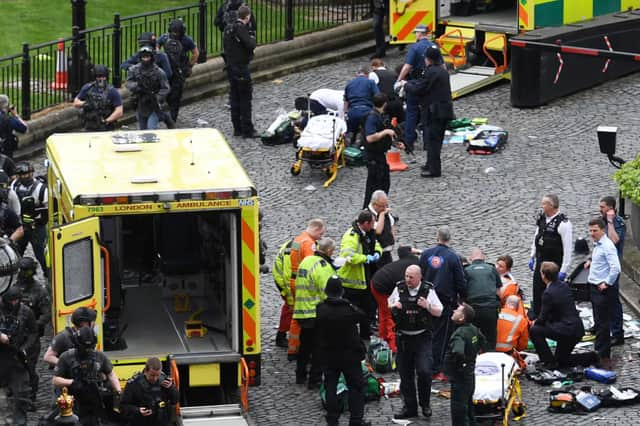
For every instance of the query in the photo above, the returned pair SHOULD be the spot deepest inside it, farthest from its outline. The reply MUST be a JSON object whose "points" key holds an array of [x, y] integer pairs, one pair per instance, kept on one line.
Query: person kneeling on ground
{"points": [[513, 330]]}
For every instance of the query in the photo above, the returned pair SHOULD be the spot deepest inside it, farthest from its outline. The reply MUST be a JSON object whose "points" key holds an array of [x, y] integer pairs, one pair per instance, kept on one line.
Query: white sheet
{"points": [[489, 375], [321, 132]]}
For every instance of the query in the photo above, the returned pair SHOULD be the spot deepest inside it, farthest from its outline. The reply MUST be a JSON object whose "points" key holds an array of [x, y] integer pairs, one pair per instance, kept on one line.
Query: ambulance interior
{"points": [[165, 270], [496, 14]]}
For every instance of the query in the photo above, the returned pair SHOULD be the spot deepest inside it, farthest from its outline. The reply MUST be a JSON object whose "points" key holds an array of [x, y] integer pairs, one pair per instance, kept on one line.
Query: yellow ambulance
{"points": [[158, 231]]}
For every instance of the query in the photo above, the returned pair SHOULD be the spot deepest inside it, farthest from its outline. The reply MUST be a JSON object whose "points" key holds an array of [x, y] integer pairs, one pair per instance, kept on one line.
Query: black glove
{"points": [[77, 387]]}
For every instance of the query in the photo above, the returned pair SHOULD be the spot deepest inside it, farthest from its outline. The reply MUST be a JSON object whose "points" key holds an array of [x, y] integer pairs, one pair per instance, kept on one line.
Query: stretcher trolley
{"points": [[322, 144], [497, 393]]}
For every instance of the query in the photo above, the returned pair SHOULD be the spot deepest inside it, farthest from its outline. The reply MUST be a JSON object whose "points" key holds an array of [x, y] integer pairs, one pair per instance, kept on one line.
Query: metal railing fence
{"points": [[47, 74]]}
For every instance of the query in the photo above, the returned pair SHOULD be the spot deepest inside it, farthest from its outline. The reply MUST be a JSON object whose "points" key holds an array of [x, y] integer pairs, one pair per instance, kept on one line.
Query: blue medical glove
{"points": [[531, 264], [562, 276]]}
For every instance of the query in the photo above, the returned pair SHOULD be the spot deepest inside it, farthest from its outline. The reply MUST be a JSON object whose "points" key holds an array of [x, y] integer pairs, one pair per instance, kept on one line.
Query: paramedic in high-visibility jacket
{"points": [[313, 274], [281, 272], [441, 266], [362, 251]]}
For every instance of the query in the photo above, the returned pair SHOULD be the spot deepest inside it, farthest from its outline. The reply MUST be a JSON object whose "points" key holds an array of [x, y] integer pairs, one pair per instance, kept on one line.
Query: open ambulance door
{"points": [[405, 15], [76, 271]]}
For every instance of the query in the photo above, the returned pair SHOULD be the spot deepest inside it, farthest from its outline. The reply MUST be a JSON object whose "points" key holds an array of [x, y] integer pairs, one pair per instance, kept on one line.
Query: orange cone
{"points": [[61, 68], [395, 163]]}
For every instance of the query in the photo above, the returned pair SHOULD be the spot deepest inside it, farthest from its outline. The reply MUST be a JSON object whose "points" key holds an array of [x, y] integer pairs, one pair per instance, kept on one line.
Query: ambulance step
{"points": [[218, 415], [478, 70]]}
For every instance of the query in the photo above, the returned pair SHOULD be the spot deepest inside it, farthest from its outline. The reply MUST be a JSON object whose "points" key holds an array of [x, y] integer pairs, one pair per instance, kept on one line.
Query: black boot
{"points": [[281, 340]]}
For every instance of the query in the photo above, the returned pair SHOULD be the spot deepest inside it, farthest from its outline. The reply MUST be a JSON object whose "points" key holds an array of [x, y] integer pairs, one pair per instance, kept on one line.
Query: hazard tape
{"points": [[555, 80], [606, 64]]}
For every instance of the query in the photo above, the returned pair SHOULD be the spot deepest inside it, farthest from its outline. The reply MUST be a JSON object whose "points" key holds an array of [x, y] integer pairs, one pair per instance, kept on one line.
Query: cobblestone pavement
{"points": [[550, 149]]}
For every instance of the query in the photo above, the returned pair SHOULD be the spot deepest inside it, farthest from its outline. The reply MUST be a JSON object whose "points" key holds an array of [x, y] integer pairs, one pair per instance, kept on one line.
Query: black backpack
{"points": [[229, 14], [173, 48]]}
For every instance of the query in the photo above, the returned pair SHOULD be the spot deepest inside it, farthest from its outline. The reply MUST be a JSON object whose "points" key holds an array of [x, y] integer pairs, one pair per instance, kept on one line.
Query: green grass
{"points": [[39, 21]]}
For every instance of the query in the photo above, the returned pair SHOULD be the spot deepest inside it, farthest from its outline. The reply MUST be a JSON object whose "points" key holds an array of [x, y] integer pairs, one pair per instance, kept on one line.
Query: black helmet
{"points": [[23, 167], [101, 71], [27, 267], [176, 26], [83, 314], [86, 338], [147, 38]]}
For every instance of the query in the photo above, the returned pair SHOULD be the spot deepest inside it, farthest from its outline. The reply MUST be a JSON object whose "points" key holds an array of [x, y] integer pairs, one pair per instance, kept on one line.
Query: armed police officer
{"points": [[68, 338], [33, 197], [100, 102], [8, 197], [17, 333], [238, 47], [149, 397], [36, 297], [150, 86], [183, 54], [413, 303], [82, 371], [10, 123]]}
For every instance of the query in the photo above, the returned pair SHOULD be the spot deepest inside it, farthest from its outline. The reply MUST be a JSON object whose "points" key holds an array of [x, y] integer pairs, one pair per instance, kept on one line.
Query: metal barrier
{"points": [[51, 73]]}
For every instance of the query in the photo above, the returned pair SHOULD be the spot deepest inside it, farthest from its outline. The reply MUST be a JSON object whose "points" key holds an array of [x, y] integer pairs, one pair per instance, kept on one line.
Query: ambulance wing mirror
{"points": [[607, 141]]}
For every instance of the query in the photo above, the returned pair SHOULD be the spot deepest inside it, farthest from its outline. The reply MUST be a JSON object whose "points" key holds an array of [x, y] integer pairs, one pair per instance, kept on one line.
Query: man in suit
{"points": [[558, 320]]}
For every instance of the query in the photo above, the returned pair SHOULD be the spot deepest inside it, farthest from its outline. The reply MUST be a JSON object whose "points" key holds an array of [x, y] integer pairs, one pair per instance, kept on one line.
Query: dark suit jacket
{"points": [[559, 311]]}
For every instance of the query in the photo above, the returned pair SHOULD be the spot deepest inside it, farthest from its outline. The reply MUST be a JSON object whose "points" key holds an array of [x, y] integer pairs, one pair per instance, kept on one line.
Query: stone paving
{"points": [[550, 149]]}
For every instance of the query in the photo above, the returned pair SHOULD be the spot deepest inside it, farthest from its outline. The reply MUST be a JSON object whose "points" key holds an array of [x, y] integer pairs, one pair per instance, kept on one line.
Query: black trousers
{"points": [[433, 134], [378, 177], [306, 354], [356, 384], [240, 97], [14, 374], [415, 358], [538, 289], [365, 301], [486, 320], [602, 303], [442, 330], [175, 96], [32, 363], [378, 30], [462, 388], [539, 333]]}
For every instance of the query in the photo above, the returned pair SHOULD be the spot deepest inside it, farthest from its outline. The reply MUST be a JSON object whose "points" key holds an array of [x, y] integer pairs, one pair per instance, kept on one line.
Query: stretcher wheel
{"points": [[518, 409], [295, 169]]}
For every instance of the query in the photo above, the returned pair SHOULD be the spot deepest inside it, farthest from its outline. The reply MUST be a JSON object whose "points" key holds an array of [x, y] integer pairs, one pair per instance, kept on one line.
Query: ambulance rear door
{"points": [[76, 271]]}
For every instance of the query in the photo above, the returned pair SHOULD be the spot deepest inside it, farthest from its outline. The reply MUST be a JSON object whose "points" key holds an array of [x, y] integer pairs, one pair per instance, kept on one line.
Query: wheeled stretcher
{"points": [[497, 393], [321, 145]]}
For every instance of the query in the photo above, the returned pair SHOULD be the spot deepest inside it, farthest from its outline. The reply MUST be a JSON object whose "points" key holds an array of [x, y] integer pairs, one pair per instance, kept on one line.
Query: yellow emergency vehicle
{"points": [[158, 231], [473, 34]]}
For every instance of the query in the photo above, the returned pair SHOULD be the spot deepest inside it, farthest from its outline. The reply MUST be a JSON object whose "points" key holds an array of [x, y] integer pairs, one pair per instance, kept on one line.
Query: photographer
{"points": [[378, 141], [149, 397], [10, 122]]}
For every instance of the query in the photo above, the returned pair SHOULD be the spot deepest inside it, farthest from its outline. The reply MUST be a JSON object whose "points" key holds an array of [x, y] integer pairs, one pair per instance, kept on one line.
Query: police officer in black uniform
{"points": [[378, 141], [460, 363], [552, 242], [100, 102], [380, 11], [17, 333], [434, 90], [413, 303], [33, 197], [150, 86], [82, 371], [68, 338], [238, 48], [36, 297], [149, 397]]}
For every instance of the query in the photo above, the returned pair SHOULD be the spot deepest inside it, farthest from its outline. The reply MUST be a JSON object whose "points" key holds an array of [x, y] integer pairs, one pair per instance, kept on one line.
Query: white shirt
{"points": [[565, 229], [434, 306], [392, 221], [330, 99]]}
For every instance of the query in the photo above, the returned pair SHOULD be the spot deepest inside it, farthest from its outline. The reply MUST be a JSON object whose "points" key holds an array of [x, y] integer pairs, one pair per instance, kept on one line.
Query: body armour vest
{"points": [[387, 79], [412, 317], [548, 240]]}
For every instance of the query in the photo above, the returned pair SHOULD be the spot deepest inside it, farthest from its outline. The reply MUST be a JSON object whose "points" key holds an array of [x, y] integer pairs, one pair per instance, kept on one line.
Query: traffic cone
{"points": [[395, 163], [61, 68]]}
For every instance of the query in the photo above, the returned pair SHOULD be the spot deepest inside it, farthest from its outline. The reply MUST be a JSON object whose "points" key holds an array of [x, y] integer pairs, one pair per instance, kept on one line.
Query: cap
{"points": [[421, 28], [100, 71], [334, 287], [404, 251], [433, 53], [83, 314]]}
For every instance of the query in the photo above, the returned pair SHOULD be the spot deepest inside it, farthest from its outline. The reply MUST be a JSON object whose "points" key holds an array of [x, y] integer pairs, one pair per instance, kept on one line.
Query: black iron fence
{"points": [[48, 74]]}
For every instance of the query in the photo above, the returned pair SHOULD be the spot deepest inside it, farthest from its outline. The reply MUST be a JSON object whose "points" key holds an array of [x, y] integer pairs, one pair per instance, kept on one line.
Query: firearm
{"points": [[10, 327]]}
